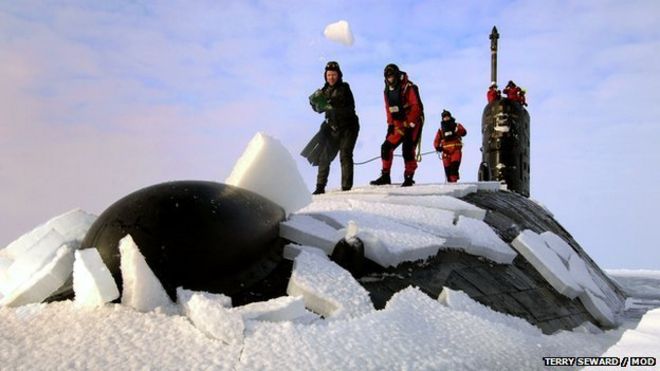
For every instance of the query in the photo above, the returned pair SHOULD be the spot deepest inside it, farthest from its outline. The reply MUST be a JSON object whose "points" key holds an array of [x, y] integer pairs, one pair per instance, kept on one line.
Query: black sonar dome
{"points": [[200, 235]]}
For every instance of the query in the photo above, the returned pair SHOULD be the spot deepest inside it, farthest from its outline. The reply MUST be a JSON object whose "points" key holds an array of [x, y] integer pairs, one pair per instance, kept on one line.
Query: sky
{"points": [[99, 99]]}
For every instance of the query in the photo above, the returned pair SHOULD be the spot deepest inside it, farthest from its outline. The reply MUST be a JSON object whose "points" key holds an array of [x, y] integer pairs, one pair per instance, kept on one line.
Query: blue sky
{"points": [[102, 98]]}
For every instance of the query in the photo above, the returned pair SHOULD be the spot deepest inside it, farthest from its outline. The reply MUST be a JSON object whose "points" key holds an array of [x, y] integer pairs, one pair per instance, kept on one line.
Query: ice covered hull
{"points": [[200, 235], [505, 148]]}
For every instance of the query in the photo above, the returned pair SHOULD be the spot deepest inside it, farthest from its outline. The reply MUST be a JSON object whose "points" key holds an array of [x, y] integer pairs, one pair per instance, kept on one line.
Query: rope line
{"points": [[378, 157]]}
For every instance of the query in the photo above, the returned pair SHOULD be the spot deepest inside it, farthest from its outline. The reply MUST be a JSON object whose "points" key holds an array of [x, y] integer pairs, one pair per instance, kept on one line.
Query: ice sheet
{"points": [[531, 246]]}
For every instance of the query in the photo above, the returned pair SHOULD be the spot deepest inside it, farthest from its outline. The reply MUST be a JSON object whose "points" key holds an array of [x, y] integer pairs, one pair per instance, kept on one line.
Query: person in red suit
{"points": [[405, 118], [515, 93], [448, 141], [493, 93]]}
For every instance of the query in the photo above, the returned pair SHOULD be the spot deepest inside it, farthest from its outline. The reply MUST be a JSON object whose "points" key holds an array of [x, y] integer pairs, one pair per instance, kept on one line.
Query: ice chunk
{"points": [[459, 300], [141, 288], [92, 282], [32, 260], [558, 245], [598, 308], [284, 308], [267, 168], [291, 251], [531, 246], [449, 203], [327, 288], [489, 186], [72, 225], [305, 230], [44, 282], [183, 296], [210, 316], [583, 275], [386, 241], [339, 32], [432, 220], [484, 241]]}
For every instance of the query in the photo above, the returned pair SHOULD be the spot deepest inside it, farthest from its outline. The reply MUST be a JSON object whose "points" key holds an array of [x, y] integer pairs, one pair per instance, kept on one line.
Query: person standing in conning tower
{"points": [[405, 118]]}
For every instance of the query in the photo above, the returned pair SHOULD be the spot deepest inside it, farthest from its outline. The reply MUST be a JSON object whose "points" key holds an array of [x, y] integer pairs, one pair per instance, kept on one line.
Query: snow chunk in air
{"points": [[340, 32], [267, 168], [530, 245], [141, 288], [327, 288], [92, 282]]}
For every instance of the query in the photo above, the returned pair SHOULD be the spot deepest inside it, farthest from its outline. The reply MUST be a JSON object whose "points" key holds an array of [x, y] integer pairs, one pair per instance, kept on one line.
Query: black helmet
{"points": [[332, 66], [391, 70], [511, 84], [445, 113]]}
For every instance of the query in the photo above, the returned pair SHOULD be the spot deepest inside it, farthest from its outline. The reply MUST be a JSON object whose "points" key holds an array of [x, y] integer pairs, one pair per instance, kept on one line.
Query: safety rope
{"points": [[419, 155]]}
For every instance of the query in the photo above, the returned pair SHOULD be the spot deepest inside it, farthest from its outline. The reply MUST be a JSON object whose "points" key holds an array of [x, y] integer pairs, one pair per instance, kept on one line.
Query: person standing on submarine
{"points": [[405, 118], [341, 123], [448, 141]]}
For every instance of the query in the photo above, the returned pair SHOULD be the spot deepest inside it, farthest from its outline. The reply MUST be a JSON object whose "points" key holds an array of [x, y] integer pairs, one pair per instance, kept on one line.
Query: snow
{"points": [[484, 241], [340, 32], [141, 288], [284, 308], [305, 230], [533, 248], [641, 283], [92, 282], [327, 288], [446, 189], [641, 341], [44, 282], [267, 168], [459, 300]]}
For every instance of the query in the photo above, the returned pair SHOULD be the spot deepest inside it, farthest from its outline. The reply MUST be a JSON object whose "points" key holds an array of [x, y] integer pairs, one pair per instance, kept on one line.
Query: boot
{"points": [[407, 181], [319, 190], [384, 179]]}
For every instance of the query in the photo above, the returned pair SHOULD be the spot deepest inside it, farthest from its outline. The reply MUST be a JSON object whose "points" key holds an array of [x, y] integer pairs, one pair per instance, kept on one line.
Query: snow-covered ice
{"points": [[641, 341], [386, 242], [72, 225], [210, 315], [531, 246], [93, 284], [267, 168], [340, 32], [327, 288], [141, 288], [43, 282], [584, 277], [558, 245], [598, 308], [305, 230], [459, 300], [483, 241]]}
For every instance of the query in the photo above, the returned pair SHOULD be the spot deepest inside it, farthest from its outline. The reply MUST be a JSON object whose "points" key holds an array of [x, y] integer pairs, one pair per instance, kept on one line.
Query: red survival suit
{"points": [[448, 140], [515, 93], [404, 119], [493, 94]]}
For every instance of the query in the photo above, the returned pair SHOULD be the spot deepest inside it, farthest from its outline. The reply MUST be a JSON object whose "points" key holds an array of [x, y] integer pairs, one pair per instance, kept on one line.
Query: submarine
{"points": [[216, 238]]}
